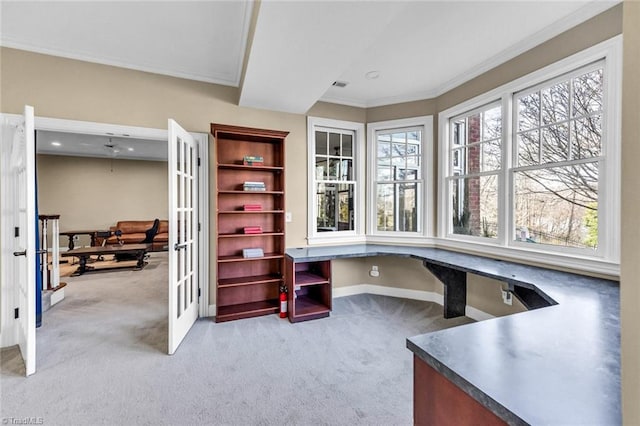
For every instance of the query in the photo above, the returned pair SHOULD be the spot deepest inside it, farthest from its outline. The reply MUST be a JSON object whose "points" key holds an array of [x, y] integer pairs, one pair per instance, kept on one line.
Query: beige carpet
{"points": [[101, 359]]}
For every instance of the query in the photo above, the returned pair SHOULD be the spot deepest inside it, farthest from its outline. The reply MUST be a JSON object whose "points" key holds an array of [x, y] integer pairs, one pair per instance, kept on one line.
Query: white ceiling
{"points": [[420, 48], [116, 147]]}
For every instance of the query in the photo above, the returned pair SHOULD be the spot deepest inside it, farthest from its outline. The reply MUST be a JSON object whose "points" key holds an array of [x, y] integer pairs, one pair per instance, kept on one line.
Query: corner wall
{"points": [[629, 265]]}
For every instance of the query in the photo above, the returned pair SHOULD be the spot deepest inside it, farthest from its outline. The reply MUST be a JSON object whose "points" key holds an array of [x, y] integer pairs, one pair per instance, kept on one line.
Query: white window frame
{"points": [[425, 206], [606, 259], [351, 236]]}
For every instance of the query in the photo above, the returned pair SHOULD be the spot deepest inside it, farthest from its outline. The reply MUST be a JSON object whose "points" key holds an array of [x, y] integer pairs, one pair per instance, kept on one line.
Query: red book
{"points": [[252, 230], [252, 207]]}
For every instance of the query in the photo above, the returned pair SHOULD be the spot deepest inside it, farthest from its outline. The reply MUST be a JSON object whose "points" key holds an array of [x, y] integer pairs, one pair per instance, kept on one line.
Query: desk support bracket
{"points": [[455, 288]]}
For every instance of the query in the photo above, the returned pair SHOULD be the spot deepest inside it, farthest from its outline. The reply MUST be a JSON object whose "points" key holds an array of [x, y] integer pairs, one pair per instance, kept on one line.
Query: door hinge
{"points": [[198, 161], [16, 313], [198, 291], [199, 227], [16, 231]]}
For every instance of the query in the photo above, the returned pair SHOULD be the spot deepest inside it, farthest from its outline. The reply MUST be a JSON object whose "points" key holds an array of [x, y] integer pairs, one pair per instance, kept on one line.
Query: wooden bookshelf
{"points": [[308, 290], [248, 287]]}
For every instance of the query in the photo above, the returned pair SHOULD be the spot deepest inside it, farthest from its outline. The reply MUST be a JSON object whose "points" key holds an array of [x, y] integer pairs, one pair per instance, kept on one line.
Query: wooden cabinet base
{"points": [[437, 401]]}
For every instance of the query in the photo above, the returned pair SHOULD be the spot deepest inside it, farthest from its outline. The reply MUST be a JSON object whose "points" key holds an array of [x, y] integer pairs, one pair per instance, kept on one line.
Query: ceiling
{"points": [[116, 147], [297, 49]]}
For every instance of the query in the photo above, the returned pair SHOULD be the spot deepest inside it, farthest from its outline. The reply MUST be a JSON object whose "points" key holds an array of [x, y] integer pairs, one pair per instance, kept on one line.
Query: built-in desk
{"points": [[556, 365]]}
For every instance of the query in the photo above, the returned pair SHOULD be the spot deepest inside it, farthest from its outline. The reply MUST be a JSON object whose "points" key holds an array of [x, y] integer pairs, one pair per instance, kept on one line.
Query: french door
{"points": [[183, 234], [19, 229]]}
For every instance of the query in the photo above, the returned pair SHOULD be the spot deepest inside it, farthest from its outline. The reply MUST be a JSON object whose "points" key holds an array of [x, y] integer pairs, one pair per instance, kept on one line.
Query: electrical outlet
{"points": [[374, 271], [507, 297], [288, 217]]}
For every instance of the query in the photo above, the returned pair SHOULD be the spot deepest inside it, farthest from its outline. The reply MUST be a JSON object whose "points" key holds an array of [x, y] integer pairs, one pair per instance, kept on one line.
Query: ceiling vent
{"points": [[340, 83]]}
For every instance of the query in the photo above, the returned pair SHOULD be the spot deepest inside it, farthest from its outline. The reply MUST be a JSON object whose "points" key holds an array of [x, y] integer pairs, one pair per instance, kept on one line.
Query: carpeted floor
{"points": [[101, 359]]}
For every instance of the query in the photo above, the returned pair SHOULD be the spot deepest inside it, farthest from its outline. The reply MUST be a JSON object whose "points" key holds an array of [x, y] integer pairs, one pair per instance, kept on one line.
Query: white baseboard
{"points": [[403, 293], [426, 296]]}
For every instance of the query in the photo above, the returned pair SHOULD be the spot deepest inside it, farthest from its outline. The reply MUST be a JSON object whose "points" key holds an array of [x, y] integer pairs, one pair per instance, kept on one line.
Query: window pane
{"points": [[346, 170], [475, 206], [492, 123], [407, 207], [529, 148], [385, 202], [399, 149], [558, 206], [555, 143], [335, 207], [529, 111], [586, 137], [334, 144], [399, 137], [321, 143], [384, 150], [322, 170], [491, 156], [334, 169], [588, 93], [402, 198], [555, 103], [459, 132], [384, 172], [347, 145]]}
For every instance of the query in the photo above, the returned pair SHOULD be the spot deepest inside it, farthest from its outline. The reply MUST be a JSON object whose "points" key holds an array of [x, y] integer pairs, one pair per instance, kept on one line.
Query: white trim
{"points": [[403, 293], [359, 159], [606, 260], [202, 139], [425, 206], [101, 129], [161, 135]]}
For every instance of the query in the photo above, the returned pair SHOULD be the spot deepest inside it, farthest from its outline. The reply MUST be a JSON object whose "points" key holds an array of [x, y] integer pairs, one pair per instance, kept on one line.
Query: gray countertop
{"points": [[555, 365]]}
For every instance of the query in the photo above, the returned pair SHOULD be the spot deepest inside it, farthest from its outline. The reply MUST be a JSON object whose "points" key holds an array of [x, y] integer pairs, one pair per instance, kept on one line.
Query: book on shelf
{"points": [[252, 207], [252, 229], [254, 186], [253, 160], [250, 253]]}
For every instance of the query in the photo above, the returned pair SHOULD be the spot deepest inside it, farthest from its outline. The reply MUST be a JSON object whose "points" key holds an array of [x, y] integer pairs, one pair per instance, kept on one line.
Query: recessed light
{"points": [[372, 75], [56, 143], [130, 149]]}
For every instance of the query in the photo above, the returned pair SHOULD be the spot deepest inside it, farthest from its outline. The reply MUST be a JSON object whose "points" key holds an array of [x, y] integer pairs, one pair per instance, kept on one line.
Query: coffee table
{"points": [[90, 232], [84, 253]]}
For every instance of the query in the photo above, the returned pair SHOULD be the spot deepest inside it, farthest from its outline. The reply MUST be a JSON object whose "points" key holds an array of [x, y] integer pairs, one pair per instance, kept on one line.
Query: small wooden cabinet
{"points": [[250, 215], [308, 290]]}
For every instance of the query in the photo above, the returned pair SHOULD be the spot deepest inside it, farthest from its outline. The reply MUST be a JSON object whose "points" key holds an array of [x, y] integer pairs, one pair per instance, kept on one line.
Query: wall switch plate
{"points": [[288, 217]]}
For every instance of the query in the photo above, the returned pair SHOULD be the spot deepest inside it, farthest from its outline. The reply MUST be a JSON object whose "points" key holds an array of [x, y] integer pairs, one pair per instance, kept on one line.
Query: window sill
{"points": [[578, 264], [336, 239]]}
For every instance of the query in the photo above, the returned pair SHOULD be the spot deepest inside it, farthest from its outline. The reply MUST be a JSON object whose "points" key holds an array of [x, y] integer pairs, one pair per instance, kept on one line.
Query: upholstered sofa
{"points": [[140, 231]]}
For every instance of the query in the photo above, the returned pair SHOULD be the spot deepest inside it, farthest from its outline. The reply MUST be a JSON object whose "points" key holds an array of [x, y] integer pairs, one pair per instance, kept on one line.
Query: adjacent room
{"points": [[301, 212]]}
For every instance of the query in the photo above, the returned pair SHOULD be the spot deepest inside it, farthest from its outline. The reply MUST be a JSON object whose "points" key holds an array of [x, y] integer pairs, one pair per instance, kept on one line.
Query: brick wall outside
{"points": [[473, 166]]}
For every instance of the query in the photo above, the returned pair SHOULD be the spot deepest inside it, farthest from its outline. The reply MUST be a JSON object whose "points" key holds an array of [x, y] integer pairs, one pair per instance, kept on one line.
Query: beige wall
{"points": [[94, 193], [630, 266]]}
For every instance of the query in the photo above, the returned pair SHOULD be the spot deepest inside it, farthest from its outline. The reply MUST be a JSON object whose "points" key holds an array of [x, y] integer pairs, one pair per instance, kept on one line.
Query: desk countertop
{"points": [[555, 365]]}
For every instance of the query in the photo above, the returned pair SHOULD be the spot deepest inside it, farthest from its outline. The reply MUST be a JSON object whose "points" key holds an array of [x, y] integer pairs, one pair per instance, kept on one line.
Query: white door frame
{"points": [[161, 135]]}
